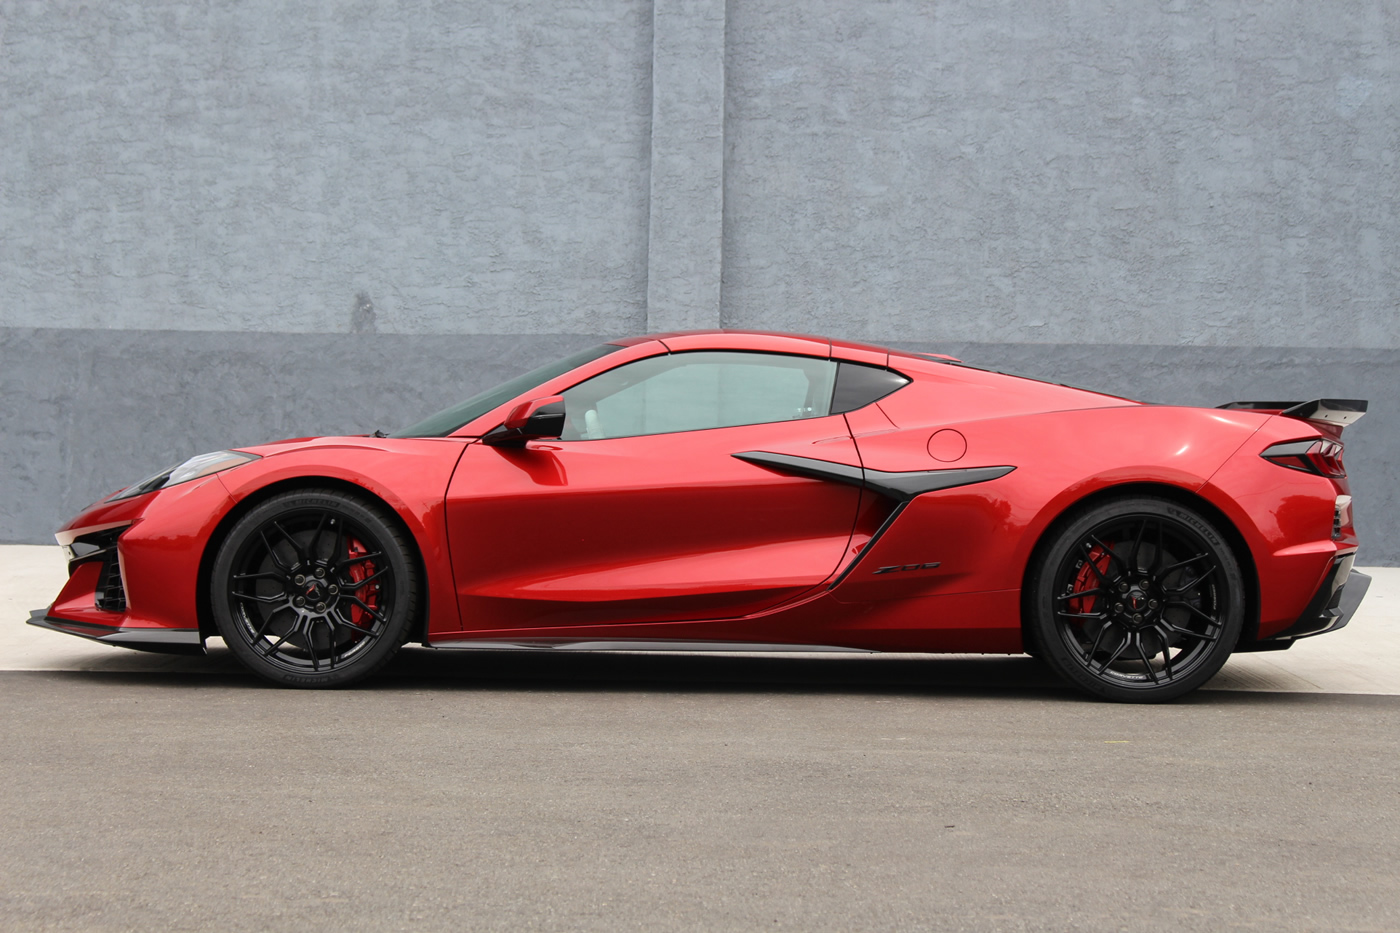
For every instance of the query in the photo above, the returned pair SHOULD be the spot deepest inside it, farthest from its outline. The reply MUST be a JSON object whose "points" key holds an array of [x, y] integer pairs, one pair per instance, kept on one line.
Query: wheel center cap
{"points": [[1138, 608], [317, 596]]}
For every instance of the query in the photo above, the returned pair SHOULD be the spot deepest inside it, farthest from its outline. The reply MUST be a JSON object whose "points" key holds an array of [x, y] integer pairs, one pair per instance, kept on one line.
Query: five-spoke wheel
{"points": [[1136, 599], [314, 588]]}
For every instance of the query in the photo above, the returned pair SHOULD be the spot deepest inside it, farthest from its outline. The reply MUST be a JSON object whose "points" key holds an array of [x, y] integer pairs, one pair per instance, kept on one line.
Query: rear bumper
{"points": [[1332, 607], [163, 640]]}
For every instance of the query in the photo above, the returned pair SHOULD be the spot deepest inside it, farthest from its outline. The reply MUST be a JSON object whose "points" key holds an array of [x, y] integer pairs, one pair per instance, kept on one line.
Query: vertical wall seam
{"points": [[686, 184], [723, 160], [650, 170]]}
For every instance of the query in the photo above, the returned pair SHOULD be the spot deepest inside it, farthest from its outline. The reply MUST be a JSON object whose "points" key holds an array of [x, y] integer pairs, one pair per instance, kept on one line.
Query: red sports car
{"points": [[748, 491]]}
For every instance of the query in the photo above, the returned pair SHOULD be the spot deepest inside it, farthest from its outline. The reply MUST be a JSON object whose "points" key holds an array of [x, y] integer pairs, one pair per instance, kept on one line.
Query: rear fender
{"points": [[1285, 517], [983, 536]]}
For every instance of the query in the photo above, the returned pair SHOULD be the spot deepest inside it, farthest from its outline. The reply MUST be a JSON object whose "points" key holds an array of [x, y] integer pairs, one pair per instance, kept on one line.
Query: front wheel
{"points": [[1137, 600], [314, 588]]}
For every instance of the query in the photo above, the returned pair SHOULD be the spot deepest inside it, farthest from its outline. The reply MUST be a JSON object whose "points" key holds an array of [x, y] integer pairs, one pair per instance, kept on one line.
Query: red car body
{"points": [[671, 539]]}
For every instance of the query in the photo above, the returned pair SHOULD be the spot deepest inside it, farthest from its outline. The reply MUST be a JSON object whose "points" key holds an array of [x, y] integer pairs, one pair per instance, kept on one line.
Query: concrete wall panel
{"points": [[455, 168], [1216, 174], [686, 229]]}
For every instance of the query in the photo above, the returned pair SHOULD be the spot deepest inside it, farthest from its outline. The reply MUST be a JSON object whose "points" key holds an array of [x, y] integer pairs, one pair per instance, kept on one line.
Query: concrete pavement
{"points": [[722, 794], [563, 791]]}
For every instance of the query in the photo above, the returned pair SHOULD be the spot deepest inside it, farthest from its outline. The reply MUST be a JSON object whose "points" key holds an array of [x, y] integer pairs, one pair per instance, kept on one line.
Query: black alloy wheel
{"points": [[1137, 600], [314, 588]]}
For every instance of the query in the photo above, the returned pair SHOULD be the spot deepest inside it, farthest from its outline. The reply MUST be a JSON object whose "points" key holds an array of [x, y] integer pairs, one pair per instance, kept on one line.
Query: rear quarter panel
{"points": [[982, 536]]}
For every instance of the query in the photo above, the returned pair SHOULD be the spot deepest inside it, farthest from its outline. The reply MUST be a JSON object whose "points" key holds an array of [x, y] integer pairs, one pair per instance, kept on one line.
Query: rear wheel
{"points": [[1137, 600], [314, 588]]}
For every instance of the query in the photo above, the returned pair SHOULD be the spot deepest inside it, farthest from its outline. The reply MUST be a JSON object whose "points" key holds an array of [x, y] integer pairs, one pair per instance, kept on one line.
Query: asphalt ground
{"points": [[558, 791]]}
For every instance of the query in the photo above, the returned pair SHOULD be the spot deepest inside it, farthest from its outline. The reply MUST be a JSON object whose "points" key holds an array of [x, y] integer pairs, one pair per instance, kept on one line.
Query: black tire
{"points": [[1136, 600], [315, 588]]}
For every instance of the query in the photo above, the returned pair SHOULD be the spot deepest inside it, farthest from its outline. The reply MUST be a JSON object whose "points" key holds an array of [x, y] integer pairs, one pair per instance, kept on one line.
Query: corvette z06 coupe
{"points": [[746, 491]]}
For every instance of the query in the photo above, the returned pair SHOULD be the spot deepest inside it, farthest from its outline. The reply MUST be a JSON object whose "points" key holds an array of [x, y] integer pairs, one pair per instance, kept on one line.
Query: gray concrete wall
{"points": [[1208, 174], [269, 166], [223, 223]]}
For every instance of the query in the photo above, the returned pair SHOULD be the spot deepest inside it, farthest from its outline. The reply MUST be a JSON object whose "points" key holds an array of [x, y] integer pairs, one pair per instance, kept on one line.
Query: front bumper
{"points": [[163, 640]]}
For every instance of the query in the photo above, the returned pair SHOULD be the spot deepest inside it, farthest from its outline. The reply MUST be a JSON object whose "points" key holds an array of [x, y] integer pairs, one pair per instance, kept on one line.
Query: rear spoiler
{"points": [[1336, 411]]}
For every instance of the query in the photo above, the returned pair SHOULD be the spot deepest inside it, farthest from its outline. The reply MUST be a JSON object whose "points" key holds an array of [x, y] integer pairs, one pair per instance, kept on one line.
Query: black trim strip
{"points": [[805, 466], [900, 487], [908, 485]]}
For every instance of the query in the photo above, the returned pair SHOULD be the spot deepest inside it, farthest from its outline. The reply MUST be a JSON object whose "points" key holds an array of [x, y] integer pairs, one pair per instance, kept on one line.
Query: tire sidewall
{"points": [[1043, 627], [395, 552]]}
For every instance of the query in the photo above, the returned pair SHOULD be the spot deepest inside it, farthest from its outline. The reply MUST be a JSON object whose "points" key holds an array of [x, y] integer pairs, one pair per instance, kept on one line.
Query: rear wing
{"points": [[1339, 412]]}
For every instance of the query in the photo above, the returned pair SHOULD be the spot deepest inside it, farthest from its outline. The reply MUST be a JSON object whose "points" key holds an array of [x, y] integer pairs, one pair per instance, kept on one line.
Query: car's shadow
{"points": [[418, 668], [536, 669], [695, 672]]}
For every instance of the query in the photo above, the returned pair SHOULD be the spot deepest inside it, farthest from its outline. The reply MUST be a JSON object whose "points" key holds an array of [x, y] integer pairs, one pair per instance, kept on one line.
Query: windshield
{"points": [[445, 422]]}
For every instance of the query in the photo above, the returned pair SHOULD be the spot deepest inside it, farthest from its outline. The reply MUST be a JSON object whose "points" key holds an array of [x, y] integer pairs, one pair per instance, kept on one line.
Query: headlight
{"points": [[193, 468]]}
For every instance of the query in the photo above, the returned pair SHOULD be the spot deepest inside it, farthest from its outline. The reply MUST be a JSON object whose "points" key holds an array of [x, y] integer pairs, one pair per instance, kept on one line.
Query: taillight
{"points": [[1320, 456]]}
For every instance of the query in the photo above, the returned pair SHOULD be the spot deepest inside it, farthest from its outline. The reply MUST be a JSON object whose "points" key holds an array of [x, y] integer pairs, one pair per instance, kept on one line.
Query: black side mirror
{"points": [[538, 419]]}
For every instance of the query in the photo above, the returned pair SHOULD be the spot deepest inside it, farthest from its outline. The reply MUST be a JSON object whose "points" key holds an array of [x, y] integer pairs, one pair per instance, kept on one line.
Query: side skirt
{"points": [[638, 644]]}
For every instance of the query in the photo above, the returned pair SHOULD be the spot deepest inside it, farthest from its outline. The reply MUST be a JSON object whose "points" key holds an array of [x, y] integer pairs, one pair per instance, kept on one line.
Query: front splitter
{"points": [[162, 640]]}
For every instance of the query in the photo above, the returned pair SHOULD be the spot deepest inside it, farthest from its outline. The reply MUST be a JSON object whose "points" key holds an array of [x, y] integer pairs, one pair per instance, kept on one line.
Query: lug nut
{"points": [[1117, 607], [321, 572], [334, 589], [299, 602], [1122, 587], [299, 579], [1152, 604], [320, 607]]}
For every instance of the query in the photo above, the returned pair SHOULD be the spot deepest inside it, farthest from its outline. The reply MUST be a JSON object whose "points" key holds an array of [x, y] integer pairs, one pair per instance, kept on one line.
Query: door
{"points": [[642, 513]]}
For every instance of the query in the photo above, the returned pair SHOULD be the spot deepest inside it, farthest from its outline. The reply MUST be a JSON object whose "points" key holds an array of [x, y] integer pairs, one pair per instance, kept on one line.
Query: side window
{"points": [[857, 385], [698, 390]]}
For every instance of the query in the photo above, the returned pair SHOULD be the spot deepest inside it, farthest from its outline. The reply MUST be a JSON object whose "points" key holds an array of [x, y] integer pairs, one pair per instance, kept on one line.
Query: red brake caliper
{"points": [[368, 594], [1087, 579]]}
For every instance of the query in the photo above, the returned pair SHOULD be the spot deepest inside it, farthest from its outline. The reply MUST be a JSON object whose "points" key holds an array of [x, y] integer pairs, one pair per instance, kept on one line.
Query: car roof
{"points": [[909, 362], [764, 341]]}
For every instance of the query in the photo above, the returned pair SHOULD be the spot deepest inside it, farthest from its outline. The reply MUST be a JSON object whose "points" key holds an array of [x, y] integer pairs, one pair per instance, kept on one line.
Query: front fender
{"points": [[410, 475]]}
